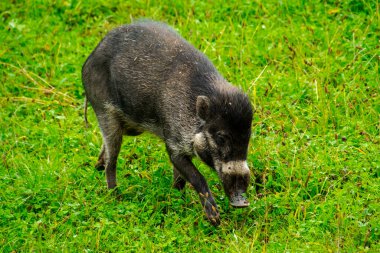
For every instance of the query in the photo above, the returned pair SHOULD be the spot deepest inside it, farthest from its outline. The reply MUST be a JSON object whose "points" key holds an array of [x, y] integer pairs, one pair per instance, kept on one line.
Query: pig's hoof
{"points": [[100, 167], [111, 185], [179, 184], [215, 221], [213, 215], [238, 200]]}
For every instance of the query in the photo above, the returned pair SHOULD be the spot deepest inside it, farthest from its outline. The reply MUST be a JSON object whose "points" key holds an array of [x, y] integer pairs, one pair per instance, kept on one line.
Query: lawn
{"points": [[311, 70]]}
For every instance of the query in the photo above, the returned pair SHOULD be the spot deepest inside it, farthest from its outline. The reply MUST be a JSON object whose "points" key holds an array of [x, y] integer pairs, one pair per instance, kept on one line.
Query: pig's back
{"points": [[151, 53], [152, 70]]}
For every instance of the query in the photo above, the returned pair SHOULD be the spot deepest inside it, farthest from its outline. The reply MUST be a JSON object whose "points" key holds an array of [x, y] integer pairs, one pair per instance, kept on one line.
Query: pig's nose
{"points": [[238, 200]]}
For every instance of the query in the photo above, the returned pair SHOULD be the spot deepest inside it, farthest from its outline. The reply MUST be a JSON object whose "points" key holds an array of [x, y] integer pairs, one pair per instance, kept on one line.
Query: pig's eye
{"points": [[220, 139]]}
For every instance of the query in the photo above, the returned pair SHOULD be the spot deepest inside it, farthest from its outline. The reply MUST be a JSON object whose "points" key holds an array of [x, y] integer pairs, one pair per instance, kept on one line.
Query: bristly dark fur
{"points": [[235, 108]]}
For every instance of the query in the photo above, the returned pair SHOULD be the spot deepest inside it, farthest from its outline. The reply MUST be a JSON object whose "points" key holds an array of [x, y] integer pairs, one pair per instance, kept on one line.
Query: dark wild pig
{"points": [[145, 77]]}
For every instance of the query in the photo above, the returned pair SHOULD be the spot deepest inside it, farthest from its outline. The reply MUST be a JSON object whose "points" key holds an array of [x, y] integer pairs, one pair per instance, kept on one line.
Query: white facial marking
{"points": [[235, 167], [199, 142]]}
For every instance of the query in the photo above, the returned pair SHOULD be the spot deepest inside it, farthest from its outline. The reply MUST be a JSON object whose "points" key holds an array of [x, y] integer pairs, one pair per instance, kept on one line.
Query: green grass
{"points": [[311, 70]]}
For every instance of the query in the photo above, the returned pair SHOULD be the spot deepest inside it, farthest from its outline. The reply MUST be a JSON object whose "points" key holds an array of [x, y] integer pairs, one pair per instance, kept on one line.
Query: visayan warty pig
{"points": [[145, 77]]}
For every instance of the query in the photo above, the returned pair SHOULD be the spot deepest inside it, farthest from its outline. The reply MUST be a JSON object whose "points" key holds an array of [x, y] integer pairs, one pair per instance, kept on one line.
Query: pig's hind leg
{"points": [[101, 164], [179, 182], [112, 133]]}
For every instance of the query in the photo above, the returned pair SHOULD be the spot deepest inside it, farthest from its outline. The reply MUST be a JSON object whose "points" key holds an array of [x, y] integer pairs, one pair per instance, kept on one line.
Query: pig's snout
{"points": [[238, 200], [235, 178]]}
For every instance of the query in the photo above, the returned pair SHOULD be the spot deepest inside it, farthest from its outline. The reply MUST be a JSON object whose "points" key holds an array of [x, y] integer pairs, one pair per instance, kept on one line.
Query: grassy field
{"points": [[311, 70]]}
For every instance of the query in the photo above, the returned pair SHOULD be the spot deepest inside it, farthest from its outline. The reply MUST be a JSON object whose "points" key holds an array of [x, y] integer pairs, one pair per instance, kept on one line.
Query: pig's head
{"points": [[222, 140]]}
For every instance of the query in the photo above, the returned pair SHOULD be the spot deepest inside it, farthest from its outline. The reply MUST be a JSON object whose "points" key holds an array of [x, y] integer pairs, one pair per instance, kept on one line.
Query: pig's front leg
{"points": [[188, 171]]}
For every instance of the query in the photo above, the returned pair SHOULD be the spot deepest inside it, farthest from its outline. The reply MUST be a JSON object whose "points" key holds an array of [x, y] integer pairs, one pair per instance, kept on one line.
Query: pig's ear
{"points": [[203, 105]]}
